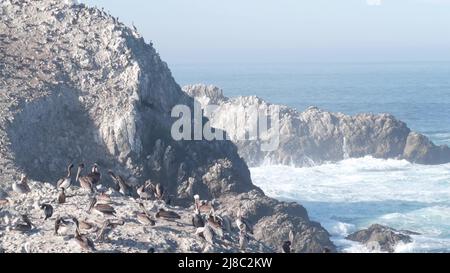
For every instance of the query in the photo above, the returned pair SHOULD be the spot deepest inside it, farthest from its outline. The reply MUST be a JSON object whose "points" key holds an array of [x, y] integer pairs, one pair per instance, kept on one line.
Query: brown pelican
{"points": [[143, 217], [243, 240], [102, 209], [215, 223], [159, 191], [287, 244], [104, 198], [95, 174], [25, 226], [82, 240], [48, 210], [107, 228], [22, 186], [202, 205], [167, 214], [61, 224], [66, 181], [197, 219], [86, 182], [242, 223], [62, 196], [121, 184], [207, 233], [145, 191]]}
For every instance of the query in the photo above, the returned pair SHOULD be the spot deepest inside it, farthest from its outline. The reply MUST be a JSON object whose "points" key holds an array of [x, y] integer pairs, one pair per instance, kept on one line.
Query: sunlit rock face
{"points": [[316, 136]]}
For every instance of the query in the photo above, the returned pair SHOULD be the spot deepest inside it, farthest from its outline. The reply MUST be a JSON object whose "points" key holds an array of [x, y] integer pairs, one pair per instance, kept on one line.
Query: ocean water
{"points": [[355, 193]]}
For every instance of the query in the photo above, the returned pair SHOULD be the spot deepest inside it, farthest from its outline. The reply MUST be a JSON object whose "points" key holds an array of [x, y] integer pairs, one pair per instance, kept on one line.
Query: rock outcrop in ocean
{"points": [[381, 238], [315, 136], [76, 85]]}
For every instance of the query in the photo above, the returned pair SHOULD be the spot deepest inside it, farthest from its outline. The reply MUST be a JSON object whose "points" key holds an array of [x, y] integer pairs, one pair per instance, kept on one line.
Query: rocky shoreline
{"points": [[76, 85]]}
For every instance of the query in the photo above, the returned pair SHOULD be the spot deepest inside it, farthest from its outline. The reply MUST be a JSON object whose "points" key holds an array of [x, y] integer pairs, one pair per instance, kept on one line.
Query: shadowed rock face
{"points": [[77, 86], [381, 238], [315, 136]]}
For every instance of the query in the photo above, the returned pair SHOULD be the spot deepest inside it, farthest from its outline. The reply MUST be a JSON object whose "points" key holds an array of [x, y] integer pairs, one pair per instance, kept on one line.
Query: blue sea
{"points": [[352, 194]]}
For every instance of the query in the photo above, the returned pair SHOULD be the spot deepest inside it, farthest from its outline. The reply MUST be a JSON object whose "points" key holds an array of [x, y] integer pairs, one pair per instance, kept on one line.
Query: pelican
{"points": [[86, 182], [62, 196], [22, 186], [121, 184], [107, 228], [202, 205], [159, 191], [145, 191], [95, 174], [197, 219], [66, 181], [48, 210], [287, 244], [83, 241], [102, 209], [143, 217], [167, 214], [104, 198], [242, 223], [206, 233], [25, 226], [243, 240], [215, 223], [61, 225]]}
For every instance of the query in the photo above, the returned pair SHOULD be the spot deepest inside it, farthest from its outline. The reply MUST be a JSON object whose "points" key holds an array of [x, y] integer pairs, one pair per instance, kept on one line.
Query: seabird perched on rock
{"points": [[216, 224], [242, 223], [62, 196], [243, 240], [107, 227], [82, 240], [287, 244], [22, 186], [86, 182], [145, 191], [121, 184], [104, 198], [143, 217], [66, 181], [95, 173], [167, 214], [62, 224], [102, 209], [206, 233], [202, 205], [25, 225], [48, 210], [197, 219], [159, 191]]}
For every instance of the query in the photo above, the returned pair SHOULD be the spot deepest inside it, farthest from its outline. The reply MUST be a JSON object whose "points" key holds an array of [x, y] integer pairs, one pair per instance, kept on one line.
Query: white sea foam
{"points": [[354, 193]]}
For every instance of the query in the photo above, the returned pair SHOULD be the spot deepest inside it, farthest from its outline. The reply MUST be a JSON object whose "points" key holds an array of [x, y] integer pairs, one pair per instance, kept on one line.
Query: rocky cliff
{"points": [[315, 136], [76, 85]]}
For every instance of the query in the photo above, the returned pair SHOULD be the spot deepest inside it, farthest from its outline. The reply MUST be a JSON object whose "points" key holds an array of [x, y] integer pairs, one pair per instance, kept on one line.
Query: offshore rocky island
{"points": [[78, 86]]}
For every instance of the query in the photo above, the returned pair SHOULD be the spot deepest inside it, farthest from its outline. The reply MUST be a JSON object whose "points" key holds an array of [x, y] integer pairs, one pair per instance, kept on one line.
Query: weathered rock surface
{"points": [[76, 85], [315, 136], [381, 238]]}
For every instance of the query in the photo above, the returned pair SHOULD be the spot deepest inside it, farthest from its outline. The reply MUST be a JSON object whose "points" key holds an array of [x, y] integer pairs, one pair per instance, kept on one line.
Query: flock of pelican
{"points": [[207, 223]]}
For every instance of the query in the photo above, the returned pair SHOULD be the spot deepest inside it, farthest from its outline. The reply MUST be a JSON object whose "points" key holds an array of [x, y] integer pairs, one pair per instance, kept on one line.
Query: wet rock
{"points": [[381, 238]]}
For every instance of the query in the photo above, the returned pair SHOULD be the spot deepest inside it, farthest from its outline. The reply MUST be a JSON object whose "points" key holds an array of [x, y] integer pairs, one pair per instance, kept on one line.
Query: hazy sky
{"points": [[290, 30]]}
